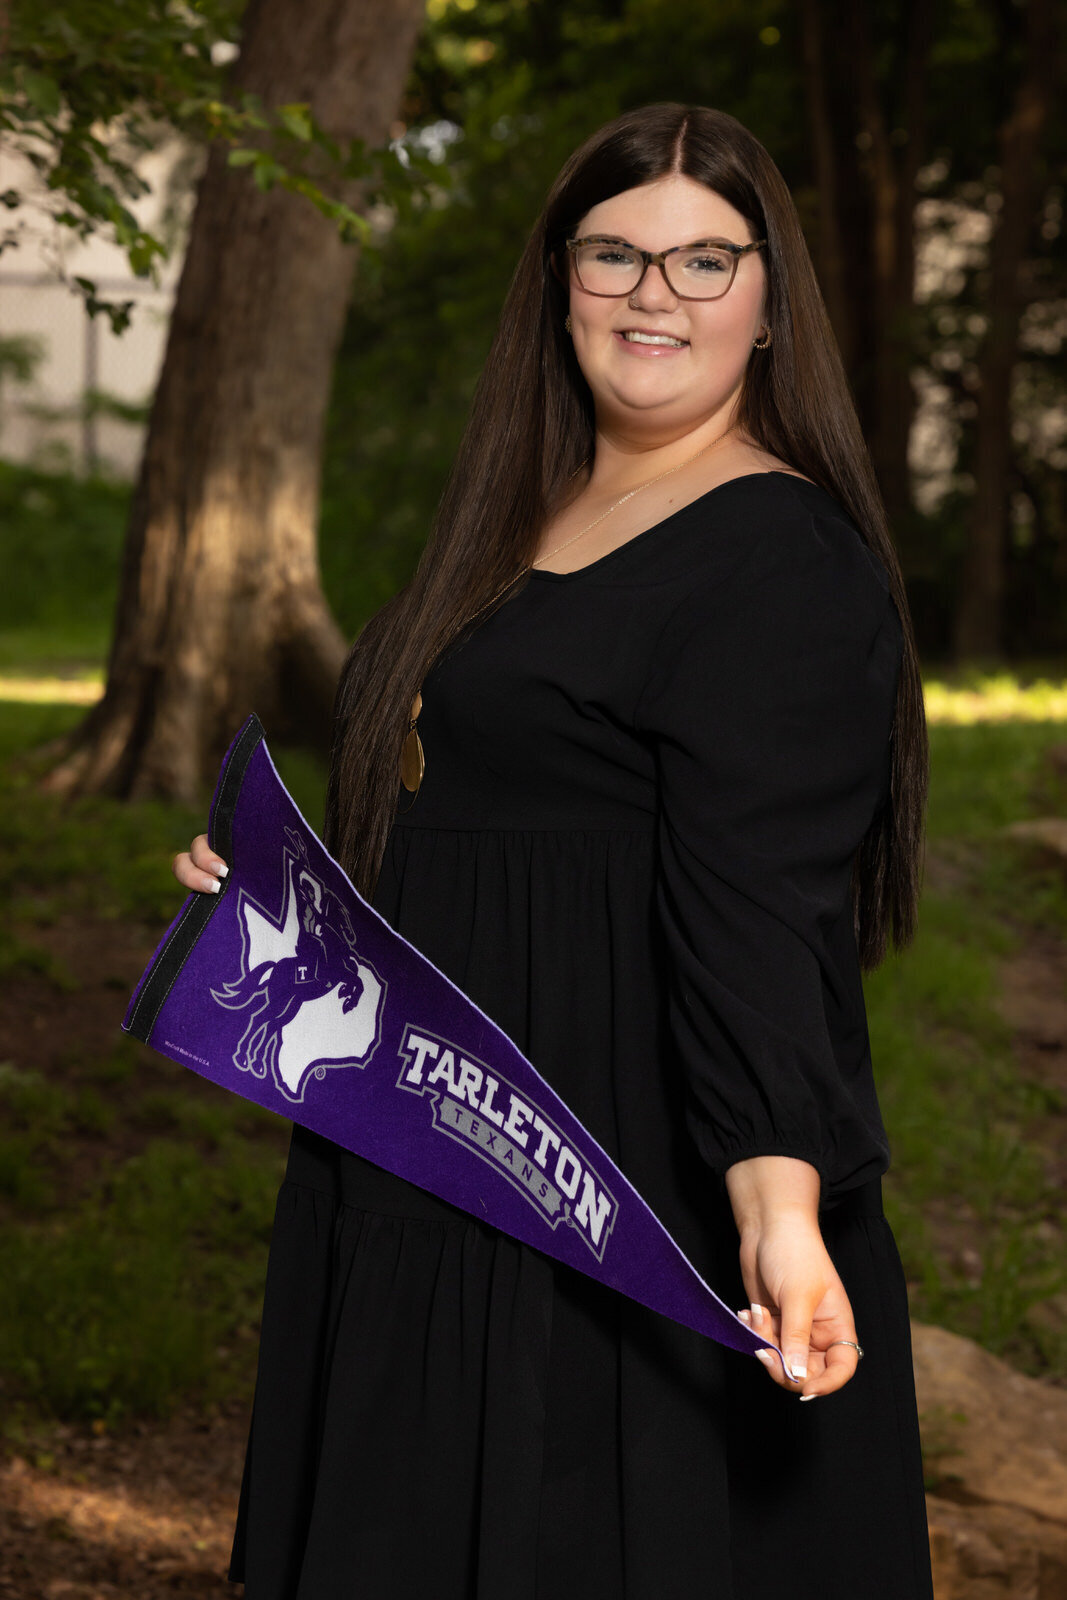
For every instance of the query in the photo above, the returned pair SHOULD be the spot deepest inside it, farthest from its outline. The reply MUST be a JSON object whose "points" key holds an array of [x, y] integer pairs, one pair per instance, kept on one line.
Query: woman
{"points": [[662, 669]]}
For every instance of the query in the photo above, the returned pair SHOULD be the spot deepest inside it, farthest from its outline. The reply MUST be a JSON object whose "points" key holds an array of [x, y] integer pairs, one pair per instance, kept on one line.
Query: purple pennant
{"points": [[288, 988]]}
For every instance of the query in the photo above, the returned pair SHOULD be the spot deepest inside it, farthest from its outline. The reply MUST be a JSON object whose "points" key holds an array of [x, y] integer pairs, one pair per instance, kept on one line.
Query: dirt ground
{"points": [[147, 1511]]}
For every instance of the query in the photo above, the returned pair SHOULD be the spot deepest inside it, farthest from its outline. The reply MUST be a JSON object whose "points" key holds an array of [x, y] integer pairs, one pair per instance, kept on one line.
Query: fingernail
{"points": [[809, 1397], [766, 1357], [220, 868], [744, 1316], [757, 1312], [799, 1373], [212, 885]]}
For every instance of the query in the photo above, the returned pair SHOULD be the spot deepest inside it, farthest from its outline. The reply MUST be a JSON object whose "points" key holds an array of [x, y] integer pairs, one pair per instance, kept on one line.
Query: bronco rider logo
{"points": [[313, 1003]]}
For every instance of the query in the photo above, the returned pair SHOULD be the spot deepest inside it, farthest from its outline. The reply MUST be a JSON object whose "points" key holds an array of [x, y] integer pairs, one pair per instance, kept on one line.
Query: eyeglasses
{"points": [[701, 271]]}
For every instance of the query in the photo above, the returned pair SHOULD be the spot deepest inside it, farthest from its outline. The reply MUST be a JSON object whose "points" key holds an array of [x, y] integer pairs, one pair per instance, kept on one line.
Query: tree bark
{"points": [[865, 166], [979, 618], [220, 610], [894, 154], [827, 161]]}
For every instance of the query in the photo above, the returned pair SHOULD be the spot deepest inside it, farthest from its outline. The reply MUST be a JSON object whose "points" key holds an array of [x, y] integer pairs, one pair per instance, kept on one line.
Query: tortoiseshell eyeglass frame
{"points": [[658, 258]]}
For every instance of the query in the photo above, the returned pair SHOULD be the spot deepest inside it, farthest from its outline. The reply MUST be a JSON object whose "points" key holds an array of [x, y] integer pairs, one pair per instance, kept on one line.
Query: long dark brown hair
{"points": [[532, 426]]}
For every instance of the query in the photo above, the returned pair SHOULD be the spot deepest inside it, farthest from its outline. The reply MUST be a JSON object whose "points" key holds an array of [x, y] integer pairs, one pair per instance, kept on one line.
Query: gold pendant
{"points": [[412, 760]]}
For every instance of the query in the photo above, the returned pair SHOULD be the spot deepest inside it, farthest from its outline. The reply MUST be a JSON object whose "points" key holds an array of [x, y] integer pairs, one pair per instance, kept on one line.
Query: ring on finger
{"points": [[852, 1342]]}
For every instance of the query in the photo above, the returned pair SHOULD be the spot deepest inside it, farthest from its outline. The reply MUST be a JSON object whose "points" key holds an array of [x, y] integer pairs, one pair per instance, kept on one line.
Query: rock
{"points": [[1049, 832], [1007, 1433], [1033, 996], [1056, 758], [995, 1553], [995, 1455]]}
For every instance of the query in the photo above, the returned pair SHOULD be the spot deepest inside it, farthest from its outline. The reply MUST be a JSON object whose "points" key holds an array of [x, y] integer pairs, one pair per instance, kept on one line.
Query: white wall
{"points": [[40, 421]]}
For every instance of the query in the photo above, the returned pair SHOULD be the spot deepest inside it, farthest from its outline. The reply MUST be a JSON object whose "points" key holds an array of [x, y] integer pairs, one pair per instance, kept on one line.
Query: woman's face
{"points": [[659, 391]]}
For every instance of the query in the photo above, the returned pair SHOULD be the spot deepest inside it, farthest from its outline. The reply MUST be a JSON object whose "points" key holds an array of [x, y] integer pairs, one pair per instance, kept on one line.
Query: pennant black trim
{"points": [[200, 907]]}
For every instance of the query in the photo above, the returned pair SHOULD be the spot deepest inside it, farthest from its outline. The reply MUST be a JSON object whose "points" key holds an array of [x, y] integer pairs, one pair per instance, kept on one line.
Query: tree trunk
{"points": [[865, 166], [894, 153], [220, 609], [979, 619], [830, 245]]}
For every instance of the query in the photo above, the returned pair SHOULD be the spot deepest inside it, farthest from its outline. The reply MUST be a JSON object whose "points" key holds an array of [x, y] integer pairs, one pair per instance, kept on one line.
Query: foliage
{"points": [[94, 854], [60, 547], [19, 356], [130, 1302], [503, 91], [87, 89], [969, 1134], [61, 540], [959, 1116]]}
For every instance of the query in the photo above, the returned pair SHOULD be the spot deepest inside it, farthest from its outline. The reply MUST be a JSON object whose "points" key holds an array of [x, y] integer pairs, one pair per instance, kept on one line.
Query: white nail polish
{"points": [[212, 885], [222, 869], [766, 1357], [744, 1316], [800, 1373], [757, 1312], [808, 1397]]}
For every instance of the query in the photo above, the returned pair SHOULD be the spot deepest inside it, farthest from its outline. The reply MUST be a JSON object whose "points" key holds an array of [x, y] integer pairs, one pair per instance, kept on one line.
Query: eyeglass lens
{"points": [[702, 272]]}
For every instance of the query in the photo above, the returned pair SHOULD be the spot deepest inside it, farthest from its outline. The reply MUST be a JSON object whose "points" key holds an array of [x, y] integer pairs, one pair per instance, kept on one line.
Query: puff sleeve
{"points": [[768, 705]]}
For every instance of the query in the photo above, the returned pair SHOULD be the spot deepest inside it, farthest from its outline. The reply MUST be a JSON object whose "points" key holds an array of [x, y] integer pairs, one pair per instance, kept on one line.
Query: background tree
{"points": [[980, 616], [220, 607], [86, 90], [868, 142], [89, 88]]}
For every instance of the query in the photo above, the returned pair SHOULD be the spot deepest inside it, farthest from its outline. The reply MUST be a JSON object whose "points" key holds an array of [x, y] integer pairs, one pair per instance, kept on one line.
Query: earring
{"points": [[761, 344], [567, 323]]}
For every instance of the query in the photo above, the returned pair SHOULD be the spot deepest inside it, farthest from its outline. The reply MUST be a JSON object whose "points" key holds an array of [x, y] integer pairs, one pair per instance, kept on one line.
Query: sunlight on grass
{"points": [[995, 697], [977, 698], [52, 691]]}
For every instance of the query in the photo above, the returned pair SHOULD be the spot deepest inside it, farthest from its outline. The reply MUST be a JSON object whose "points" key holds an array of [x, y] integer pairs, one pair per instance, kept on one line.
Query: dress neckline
{"points": [[609, 555]]}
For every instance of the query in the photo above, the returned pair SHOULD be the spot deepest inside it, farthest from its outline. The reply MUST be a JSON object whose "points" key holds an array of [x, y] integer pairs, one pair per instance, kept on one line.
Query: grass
{"points": [[961, 1117], [94, 854], [61, 542], [138, 1296], [137, 1285]]}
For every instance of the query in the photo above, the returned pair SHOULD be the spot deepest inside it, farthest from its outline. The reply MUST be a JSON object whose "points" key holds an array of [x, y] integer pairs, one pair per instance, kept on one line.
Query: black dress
{"points": [[645, 782]]}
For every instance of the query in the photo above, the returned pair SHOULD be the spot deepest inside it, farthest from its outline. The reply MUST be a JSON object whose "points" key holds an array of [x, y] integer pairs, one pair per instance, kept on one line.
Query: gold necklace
{"points": [[412, 759]]}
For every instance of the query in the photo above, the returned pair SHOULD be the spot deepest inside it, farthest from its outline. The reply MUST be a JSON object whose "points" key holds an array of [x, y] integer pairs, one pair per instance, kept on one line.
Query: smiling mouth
{"points": [[636, 336]]}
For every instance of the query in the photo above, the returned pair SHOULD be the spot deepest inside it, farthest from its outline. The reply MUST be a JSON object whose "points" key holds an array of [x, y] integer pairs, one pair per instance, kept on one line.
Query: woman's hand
{"points": [[797, 1298], [199, 867]]}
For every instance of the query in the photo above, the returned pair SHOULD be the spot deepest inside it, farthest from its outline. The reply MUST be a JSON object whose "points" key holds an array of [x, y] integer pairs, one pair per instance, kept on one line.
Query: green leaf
{"points": [[266, 171], [296, 119], [252, 110], [242, 158], [141, 255], [41, 91]]}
